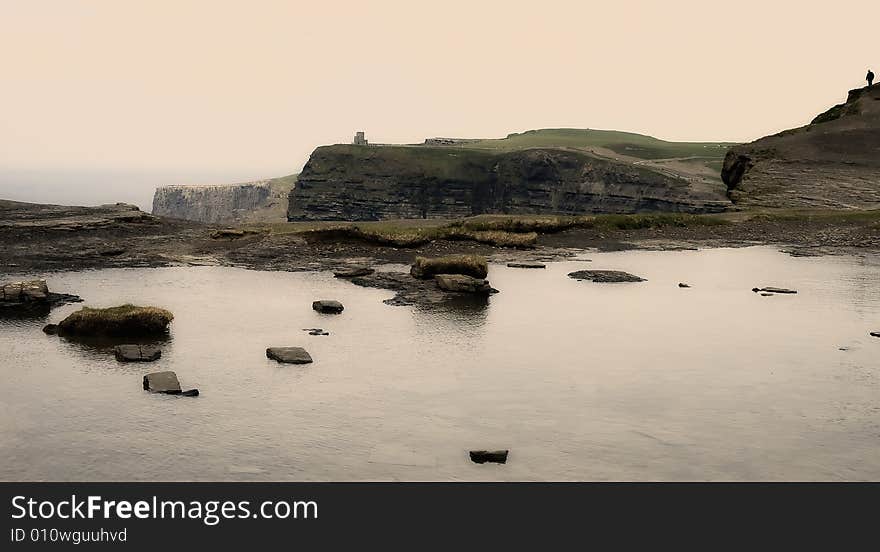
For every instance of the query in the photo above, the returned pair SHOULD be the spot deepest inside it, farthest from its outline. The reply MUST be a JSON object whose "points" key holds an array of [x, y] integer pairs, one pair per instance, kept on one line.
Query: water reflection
{"points": [[579, 380]]}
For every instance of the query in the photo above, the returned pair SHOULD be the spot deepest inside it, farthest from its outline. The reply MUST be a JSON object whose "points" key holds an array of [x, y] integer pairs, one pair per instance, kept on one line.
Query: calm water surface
{"points": [[581, 381]]}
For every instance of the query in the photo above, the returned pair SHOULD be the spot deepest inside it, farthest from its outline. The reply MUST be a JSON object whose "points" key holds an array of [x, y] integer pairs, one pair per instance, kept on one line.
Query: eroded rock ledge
{"points": [[360, 183]]}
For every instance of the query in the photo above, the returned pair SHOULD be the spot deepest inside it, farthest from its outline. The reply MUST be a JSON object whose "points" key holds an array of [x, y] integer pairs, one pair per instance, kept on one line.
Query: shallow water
{"points": [[581, 381]]}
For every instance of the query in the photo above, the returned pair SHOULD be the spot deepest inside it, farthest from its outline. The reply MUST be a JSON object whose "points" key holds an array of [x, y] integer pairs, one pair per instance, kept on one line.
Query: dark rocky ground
{"points": [[41, 238]]}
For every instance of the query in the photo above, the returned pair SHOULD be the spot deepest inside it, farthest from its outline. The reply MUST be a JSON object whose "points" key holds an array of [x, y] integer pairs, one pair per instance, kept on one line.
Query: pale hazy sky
{"points": [[253, 86]]}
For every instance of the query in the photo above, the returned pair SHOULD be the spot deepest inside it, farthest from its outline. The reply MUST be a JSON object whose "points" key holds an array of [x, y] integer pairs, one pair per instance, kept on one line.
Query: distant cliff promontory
{"points": [[563, 171], [261, 201]]}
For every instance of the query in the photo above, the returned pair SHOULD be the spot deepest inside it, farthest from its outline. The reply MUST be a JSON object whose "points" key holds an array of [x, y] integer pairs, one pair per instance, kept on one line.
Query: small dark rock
{"points": [[773, 290], [483, 456], [328, 307], [50, 329], [111, 252], [527, 264], [875, 334], [683, 285], [190, 393]]}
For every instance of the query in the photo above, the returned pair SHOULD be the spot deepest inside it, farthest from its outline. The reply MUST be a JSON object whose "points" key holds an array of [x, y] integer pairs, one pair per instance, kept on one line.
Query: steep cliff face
{"points": [[834, 162], [347, 182], [262, 201]]}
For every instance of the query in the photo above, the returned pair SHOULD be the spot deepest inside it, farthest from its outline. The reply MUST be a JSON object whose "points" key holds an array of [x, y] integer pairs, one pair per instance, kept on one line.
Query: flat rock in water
{"points": [[289, 355], [354, 272], [875, 334], [527, 264], [605, 276], [483, 456], [683, 285], [162, 382], [32, 294], [327, 306], [460, 283], [137, 353], [772, 290]]}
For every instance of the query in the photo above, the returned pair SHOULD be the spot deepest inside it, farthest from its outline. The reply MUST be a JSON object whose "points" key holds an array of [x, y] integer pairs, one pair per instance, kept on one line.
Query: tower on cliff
{"points": [[359, 139]]}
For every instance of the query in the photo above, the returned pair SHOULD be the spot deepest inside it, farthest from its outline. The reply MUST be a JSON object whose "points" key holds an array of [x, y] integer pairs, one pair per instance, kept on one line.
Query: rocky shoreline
{"points": [[45, 238]]}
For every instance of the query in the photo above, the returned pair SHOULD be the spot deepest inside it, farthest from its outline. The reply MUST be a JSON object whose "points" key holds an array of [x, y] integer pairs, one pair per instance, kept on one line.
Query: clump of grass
{"points": [[517, 231], [125, 320], [497, 238], [558, 223], [394, 235], [868, 217], [655, 220], [519, 224], [470, 265]]}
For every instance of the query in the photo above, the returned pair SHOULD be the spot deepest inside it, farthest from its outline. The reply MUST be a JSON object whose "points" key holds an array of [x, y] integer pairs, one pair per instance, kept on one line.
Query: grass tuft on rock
{"points": [[125, 320], [469, 265]]}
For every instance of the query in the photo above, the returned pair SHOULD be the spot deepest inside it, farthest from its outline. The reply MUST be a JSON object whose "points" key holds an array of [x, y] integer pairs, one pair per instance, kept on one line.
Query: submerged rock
{"points": [[289, 355], [50, 329], [875, 334], [483, 456], [527, 264], [125, 320], [353, 272], [459, 283], [772, 290], [604, 276], [136, 353], [683, 285], [328, 306], [316, 331]]}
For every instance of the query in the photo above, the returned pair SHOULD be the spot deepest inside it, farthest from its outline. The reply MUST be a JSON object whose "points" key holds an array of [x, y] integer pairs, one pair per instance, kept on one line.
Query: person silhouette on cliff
{"points": [[870, 78]]}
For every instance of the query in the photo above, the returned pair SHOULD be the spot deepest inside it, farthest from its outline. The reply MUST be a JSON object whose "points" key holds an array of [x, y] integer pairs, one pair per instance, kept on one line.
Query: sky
{"points": [[198, 91]]}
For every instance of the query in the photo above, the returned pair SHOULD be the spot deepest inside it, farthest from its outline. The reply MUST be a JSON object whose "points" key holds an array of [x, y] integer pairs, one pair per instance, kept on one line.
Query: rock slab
{"points": [[527, 264], [162, 382], [605, 276], [354, 272], [764, 290], [31, 294], [459, 283], [289, 355]]}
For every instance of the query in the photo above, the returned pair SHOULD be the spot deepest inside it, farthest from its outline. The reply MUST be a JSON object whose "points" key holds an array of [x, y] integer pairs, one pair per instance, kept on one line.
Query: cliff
{"points": [[262, 201], [834, 162], [348, 182]]}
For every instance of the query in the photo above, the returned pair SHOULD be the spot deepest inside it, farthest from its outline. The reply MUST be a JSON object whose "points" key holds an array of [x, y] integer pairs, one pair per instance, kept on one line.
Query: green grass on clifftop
{"points": [[623, 143]]}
